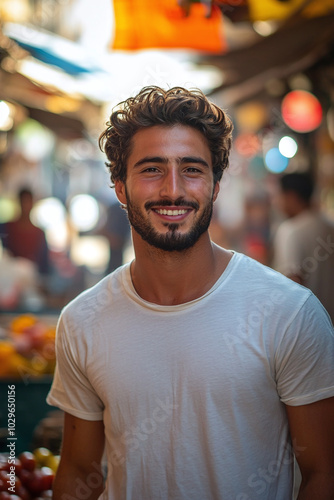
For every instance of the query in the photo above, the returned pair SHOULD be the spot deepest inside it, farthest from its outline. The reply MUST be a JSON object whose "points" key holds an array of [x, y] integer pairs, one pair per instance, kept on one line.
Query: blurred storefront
{"points": [[65, 63]]}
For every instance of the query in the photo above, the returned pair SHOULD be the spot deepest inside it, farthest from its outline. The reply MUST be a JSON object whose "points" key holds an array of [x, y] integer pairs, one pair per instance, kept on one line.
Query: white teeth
{"points": [[171, 212]]}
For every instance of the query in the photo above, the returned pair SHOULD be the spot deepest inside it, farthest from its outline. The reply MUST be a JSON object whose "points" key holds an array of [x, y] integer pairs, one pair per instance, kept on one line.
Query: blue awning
{"points": [[52, 49]]}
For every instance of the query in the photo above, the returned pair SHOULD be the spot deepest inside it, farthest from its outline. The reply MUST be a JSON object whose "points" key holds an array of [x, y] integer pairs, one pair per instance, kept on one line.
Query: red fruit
{"points": [[48, 477], [35, 333], [3, 480], [9, 481], [36, 483], [23, 345], [25, 476], [18, 482], [28, 461], [4, 495], [4, 465], [17, 466], [23, 493]]}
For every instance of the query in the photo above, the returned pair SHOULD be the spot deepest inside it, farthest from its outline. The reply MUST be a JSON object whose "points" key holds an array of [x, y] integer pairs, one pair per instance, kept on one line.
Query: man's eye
{"points": [[150, 169], [192, 170]]}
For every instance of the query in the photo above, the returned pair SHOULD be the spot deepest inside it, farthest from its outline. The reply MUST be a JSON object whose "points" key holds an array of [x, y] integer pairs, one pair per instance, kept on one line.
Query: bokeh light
{"points": [[264, 28], [247, 144], [34, 140], [288, 146], [84, 212], [300, 81], [47, 213], [58, 236], [6, 121], [275, 161], [301, 111], [9, 209], [251, 116], [91, 251]]}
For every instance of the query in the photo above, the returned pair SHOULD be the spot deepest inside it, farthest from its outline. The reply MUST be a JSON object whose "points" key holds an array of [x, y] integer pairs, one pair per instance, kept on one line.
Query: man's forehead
{"points": [[171, 136]]}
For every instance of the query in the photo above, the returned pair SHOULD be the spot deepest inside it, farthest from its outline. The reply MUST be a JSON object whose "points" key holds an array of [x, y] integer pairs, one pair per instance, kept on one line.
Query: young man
{"points": [[304, 243], [198, 369]]}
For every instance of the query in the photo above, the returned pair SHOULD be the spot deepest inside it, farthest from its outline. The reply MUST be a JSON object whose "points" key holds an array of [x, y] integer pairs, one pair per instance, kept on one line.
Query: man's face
{"points": [[169, 189]]}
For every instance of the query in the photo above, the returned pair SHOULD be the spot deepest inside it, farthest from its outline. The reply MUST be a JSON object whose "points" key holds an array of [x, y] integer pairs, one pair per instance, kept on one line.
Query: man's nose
{"points": [[172, 184]]}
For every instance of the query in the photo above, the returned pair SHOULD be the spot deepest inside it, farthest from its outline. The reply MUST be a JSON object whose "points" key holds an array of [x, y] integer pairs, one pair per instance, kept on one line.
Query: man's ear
{"points": [[216, 190], [120, 192]]}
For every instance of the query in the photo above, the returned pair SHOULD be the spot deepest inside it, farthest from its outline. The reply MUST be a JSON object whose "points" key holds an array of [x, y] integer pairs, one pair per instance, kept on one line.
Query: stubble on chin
{"points": [[173, 240]]}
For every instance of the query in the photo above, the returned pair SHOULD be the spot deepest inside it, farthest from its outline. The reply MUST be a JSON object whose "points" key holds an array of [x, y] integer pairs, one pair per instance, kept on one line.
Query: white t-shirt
{"points": [[304, 245], [192, 396]]}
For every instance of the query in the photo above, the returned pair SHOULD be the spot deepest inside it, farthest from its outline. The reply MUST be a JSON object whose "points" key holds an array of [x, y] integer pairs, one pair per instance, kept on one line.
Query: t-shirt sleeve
{"points": [[71, 391], [305, 356]]}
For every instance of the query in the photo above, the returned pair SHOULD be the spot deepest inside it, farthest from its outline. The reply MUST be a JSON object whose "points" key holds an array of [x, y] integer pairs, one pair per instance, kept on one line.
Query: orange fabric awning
{"points": [[143, 24]]}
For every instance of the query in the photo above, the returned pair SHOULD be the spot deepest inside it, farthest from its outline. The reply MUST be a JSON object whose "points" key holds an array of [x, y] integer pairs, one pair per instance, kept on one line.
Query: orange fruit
{"points": [[19, 324], [7, 351]]}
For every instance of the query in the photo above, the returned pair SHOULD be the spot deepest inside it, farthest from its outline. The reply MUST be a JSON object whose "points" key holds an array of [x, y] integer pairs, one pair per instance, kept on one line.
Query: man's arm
{"points": [[79, 473], [312, 433]]}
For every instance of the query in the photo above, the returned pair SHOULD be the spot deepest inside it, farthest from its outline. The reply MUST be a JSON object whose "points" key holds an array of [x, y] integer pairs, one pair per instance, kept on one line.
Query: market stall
{"points": [[270, 64]]}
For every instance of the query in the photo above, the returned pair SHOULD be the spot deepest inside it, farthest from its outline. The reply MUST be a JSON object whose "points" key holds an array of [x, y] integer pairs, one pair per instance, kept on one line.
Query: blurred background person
{"points": [[23, 239], [303, 246]]}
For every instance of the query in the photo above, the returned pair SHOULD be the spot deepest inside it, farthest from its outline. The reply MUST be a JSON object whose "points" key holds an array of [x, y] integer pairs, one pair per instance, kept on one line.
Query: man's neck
{"points": [[171, 278]]}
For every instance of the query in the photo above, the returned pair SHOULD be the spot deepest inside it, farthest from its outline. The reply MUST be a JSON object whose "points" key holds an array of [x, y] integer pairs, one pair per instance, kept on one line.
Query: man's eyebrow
{"points": [[151, 159], [194, 159], [161, 159]]}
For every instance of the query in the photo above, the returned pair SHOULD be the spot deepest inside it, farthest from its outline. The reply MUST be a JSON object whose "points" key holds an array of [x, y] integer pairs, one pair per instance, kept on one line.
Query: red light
{"points": [[247, 144], [301, 111]]}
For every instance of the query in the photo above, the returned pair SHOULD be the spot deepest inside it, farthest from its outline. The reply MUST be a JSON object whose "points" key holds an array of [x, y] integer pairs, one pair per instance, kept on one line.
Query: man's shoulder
{"points": [[292, 225], [260, 279], [308, 220], [262, 287], [258, 270], [97, 298]]}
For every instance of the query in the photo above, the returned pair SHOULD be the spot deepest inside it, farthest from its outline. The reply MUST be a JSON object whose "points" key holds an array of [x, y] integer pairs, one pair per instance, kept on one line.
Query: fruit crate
{"points": [[30, 409], [29, 368]]}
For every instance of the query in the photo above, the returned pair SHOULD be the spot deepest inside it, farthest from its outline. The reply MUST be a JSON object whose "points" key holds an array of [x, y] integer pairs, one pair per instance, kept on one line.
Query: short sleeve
{"points": [[71, 391], [305, 356]]}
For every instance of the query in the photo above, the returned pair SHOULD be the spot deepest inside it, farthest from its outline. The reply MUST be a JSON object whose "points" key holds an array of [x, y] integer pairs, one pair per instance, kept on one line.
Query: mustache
{"points": [[169, 203]]}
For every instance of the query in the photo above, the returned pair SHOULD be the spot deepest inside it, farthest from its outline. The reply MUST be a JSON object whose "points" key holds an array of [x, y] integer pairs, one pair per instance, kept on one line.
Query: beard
{"points": [[173, 240]]}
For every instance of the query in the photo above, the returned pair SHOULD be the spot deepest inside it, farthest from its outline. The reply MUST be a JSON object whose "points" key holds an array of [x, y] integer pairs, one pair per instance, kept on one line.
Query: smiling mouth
{"points": [[165, 211], [169, 208]]}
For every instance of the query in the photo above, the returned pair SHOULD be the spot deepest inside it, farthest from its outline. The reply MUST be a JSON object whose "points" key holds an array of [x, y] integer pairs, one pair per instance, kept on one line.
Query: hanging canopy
{"points": [[142, 24]]}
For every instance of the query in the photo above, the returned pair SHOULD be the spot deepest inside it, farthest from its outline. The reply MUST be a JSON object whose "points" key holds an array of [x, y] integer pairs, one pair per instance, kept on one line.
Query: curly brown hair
{"points": [[155, 106]]}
